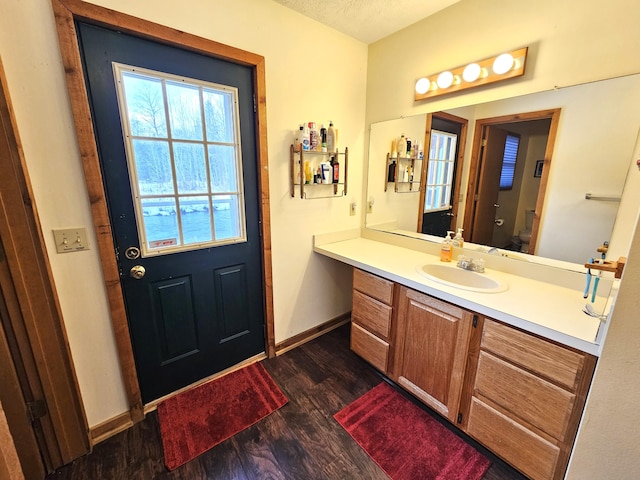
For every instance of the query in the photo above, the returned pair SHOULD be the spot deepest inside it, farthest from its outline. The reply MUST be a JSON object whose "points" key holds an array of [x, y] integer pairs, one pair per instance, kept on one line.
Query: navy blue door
{"points": [[441, 220], [176, 138]]}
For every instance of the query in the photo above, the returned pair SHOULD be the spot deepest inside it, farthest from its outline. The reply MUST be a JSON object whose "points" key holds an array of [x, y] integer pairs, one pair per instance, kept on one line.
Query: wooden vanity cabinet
{"points": [[430, 350], [371, 318], [525, 398]]}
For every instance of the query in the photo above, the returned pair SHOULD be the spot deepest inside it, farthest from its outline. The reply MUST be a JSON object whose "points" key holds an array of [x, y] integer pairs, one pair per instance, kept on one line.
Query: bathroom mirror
{"points": [[597, 132]]}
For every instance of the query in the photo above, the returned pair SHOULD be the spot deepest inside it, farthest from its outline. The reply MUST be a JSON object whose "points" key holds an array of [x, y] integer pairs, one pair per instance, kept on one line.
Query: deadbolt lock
{"points": [[132, 253]]}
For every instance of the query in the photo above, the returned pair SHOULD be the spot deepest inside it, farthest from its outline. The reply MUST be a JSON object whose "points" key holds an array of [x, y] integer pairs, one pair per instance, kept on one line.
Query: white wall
{"points": [[308, 289], [571, 42], [400, 207]]}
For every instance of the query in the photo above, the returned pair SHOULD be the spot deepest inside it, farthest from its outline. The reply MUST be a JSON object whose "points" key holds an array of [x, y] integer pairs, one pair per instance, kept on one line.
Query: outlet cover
{"points": [[70, 239]]}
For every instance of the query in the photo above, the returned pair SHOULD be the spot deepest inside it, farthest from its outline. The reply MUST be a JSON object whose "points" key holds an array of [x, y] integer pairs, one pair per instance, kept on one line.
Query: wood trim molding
{"points": [[308, 335], [66, 12], [40, 316], [474, 170], [109, 428]]}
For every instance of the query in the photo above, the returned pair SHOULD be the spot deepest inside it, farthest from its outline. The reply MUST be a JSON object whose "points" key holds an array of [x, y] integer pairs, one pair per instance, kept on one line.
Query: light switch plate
{"points": [[71, 239]]}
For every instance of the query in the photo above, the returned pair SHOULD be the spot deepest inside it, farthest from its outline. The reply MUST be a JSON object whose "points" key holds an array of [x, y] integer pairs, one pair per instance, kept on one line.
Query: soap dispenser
{"points": [[446, 249], [458, 241]]}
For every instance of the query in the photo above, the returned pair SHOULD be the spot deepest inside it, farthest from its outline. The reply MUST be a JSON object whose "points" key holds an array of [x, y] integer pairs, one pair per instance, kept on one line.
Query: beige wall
{"points": [[570, 42], [312, 73], [10, 468]]}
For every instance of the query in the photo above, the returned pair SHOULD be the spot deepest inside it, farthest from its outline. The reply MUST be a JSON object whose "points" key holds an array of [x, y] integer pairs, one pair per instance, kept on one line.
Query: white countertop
{"points": [[546, 309]]}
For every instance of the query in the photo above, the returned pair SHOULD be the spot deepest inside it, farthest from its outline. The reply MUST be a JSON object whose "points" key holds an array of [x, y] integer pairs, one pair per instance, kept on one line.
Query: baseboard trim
{"points": [[120, 423], [109, 428], [308, 335]]}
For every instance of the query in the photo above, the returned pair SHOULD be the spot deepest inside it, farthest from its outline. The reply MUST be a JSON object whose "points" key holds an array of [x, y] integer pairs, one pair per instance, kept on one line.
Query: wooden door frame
{"points": [[66, 13], [33, 316], [462, 145], [476, 155]]}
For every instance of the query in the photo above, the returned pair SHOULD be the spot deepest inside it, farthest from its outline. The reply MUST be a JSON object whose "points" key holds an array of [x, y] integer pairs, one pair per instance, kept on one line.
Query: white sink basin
{"points": [[464, 279]]}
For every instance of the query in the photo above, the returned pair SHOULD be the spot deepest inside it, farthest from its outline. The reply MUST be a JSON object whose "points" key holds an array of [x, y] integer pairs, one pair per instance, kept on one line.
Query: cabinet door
{"points": [[431, 350]]}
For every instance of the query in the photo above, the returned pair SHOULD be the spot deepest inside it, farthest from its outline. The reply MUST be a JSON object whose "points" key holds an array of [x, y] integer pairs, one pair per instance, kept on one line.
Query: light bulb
{"points": [[471, 72], [445, 79], [503, 63], [422, 85]]}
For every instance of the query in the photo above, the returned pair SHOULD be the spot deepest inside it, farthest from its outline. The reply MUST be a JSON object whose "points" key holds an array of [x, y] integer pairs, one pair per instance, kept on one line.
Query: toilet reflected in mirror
{"points": [[525, 235]]}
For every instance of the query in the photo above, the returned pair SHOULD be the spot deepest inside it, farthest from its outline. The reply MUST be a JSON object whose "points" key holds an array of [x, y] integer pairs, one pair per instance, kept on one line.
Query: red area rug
{"points": [[194, 421], [406, 442]]}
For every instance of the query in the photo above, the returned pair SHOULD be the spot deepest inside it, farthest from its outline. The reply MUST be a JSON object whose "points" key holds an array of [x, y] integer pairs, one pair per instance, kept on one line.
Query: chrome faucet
{"points": [[467, 263]]}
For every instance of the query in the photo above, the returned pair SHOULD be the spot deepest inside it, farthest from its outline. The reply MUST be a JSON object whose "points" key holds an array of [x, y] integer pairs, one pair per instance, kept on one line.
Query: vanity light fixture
{"points": [[490, 70]]}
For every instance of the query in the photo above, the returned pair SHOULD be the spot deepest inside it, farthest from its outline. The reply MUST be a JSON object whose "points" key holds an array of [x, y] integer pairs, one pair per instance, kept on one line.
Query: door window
{"points": [[442, 156], [184, 158]]}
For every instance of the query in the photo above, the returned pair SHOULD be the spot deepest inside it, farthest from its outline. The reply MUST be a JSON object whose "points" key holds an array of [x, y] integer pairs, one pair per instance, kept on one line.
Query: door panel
{"points": [[189, 315], [488, 186], [231, 298], [176, 323]]}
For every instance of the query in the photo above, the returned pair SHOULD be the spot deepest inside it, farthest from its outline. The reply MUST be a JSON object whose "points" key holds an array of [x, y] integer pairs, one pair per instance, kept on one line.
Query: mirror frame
{"points": [[476, 170]]}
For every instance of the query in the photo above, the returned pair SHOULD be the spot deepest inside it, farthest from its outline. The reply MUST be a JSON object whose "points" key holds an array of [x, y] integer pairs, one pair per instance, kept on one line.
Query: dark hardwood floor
{"points": [[299, 441]]}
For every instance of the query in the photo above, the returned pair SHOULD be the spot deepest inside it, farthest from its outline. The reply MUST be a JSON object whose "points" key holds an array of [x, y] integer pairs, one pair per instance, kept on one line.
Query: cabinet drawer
{"points": [[374, 286], [528, 452], [369, 347], [371, 314], [530, 398], [557, 363]]}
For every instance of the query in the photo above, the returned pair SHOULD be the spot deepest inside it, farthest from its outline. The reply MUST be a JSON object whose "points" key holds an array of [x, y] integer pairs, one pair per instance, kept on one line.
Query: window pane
{"points": [[428, 204], [509, 162], [153, 167], [184, 111], [222, 163], [218, 113], [191, 171], [145, 106], [160, 222], [189, 192], [226, 216], [196, 220]]}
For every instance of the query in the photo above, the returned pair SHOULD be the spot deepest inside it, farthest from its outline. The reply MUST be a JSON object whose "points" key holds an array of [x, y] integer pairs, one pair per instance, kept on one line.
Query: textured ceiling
{"points": [[367, 20]]}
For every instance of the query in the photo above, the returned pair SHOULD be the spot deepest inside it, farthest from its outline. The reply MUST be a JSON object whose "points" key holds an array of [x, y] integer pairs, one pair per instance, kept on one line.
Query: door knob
{"points": [[137, 272], [497, 205]]}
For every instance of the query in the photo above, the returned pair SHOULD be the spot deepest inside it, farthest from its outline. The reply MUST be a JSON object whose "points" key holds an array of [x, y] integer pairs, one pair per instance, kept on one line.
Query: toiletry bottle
{"points": [[314, 137], [391, 175], [407, 152], [327, 172], [308, 176], [402, 146], [306, 138], [335, 165], [323, 138], [297, 141], [332, 139], [458, 240], [446, 248], [394, 148]]}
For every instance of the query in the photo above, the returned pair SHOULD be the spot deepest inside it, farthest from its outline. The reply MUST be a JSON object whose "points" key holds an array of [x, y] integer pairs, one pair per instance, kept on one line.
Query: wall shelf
{"points": [[414, 165], [320, 190]]}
